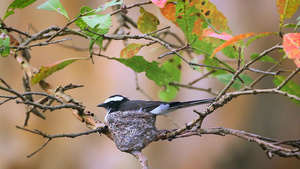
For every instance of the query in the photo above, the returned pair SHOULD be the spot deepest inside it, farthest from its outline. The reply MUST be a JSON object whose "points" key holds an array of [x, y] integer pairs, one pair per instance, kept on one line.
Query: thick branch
{"points": [[269, 145]]}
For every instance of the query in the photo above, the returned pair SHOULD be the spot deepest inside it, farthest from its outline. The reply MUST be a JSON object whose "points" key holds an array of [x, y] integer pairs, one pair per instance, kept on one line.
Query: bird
{"points": [[117, 103]]}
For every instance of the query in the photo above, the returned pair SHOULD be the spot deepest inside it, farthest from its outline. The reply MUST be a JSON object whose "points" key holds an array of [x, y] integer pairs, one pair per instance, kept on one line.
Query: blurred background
{"points": [[268, 115]]}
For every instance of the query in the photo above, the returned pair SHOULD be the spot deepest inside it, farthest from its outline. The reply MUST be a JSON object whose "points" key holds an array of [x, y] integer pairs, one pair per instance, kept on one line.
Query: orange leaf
{"points": [[287, 8], [130, 50], [197, 29], [291, 46], [159, 3], [236, 39], [169, 12]]}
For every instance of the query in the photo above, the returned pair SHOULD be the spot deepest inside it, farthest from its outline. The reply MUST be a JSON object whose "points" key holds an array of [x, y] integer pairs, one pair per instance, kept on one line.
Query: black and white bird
{"points": [[120, 103]]}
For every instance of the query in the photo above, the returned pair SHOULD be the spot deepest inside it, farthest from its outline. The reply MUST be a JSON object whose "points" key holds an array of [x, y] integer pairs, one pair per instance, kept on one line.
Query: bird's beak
{"points": [[101, 105]]}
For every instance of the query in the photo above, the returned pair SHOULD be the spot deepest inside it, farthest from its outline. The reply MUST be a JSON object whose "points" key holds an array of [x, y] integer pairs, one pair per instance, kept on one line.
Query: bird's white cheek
{"points": [[105, 118], [161, 109]]}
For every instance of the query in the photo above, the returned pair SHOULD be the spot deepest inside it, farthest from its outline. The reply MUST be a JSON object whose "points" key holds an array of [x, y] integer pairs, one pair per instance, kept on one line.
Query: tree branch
{"points": [[102, 129], [269, 145]]}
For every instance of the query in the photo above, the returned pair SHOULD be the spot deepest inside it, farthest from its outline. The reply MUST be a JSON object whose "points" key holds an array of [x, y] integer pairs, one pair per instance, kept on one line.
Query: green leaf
{"points": [[54, 5], [185, 17], [213, 62], [46, 71], [173, 67], [130, 50], [237, 85], [4, 45], [158, 74], [224, 64], [202, 47], [257, 37], [231, 52], [20, 4], [109, 4], [290, 87], [83, 26], [97, 21], [147, 22], [265, 58], [168, 94]]}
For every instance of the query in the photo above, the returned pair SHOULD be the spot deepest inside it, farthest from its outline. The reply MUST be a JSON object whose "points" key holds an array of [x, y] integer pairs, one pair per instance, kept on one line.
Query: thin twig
{"points": [[202, 77], [209, 90], [4, 82], [131, 6], [288, 78], [139, 88], [39, 149], [51, 108], [59, 31], [261, 76], [41, 44], [142, 36], [50, 137], [70, 135], [264, 72]]}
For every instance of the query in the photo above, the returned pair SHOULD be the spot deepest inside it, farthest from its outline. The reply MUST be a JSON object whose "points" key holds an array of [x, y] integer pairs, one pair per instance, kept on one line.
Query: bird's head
{"points": [[113, 102]]}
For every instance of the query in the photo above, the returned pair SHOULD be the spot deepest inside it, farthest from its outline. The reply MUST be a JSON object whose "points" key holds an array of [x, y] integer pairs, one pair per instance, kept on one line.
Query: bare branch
{"points": [[209, 90], [131, 6], [269, 145], [264, 72], [44, 145], [50, 137], [68, 24], [288, 78], [41, 44], [202, 77]]}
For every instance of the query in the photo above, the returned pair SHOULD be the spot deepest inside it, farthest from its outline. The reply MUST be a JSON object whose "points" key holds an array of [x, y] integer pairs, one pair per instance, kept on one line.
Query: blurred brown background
{"points": [[268, 115]]}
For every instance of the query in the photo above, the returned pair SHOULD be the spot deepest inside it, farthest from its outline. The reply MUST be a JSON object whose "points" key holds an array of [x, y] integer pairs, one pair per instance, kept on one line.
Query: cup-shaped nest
{"points": [[132, 130]]}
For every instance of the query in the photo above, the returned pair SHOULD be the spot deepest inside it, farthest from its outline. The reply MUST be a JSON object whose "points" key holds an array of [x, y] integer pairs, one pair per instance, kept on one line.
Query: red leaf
{"points": [[211, 33], [291, 46], [159, 3], [297, 62]]}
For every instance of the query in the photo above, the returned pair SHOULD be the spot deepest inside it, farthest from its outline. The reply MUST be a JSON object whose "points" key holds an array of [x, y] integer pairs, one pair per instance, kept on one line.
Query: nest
{"points": [[132, 131]]}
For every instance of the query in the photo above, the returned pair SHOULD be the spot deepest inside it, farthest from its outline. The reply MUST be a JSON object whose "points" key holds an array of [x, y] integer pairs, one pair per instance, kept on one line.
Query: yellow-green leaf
{"points": [[46, 71], [287, 8], [130, 50], [147, 22]]}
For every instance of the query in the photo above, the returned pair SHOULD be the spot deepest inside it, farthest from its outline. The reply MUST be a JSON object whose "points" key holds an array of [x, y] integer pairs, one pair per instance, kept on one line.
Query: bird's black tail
{"points": [[176, 105]]}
